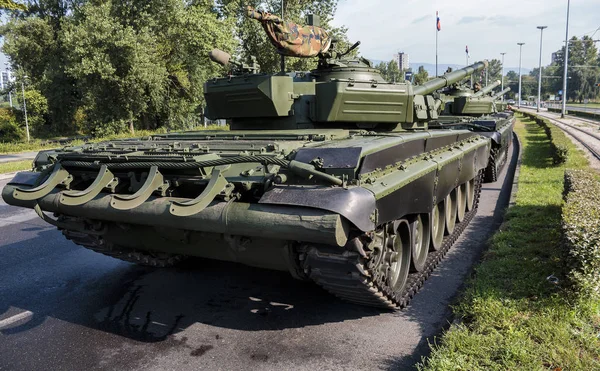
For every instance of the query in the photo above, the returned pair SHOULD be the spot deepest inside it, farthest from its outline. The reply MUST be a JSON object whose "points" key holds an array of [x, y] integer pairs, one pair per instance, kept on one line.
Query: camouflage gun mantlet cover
{"points": [[291, 39]]}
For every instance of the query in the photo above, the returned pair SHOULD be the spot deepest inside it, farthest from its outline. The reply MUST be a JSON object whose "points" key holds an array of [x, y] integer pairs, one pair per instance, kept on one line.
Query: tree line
{"points": [[106, 66]]}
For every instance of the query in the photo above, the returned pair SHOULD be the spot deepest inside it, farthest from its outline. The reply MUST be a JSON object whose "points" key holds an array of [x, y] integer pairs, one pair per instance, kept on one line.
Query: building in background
{"points": [[402, 60], [555, 56], [5, 78]]}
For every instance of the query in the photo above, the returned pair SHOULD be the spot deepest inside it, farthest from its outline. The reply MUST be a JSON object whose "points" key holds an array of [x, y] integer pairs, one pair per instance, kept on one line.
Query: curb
{"points": [[515, 183]]}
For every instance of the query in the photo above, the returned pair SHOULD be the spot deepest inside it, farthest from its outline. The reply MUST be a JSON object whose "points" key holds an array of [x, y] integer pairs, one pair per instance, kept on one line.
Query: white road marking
{"points": [[18, 218], [14, 319]]}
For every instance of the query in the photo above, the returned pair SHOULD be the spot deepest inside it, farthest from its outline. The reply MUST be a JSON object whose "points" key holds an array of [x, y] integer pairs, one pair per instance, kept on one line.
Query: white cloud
{"points": [[489, 27]]}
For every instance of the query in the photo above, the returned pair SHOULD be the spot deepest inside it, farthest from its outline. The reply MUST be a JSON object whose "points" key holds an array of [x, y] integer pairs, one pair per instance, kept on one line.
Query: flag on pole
{"points": [[438, 24], [467, 50]]}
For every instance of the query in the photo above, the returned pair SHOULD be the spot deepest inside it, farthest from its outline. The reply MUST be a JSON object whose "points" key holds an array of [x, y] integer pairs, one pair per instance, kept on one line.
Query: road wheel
{"points": [[438, 222], [421, 235], [461, 202], [451, 211], [398, 256], [470, 187]]}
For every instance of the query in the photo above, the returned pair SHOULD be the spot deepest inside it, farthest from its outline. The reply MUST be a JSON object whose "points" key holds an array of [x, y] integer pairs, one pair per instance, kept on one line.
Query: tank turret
{"points": [[477, 104], [341, 92], [488, 89]]}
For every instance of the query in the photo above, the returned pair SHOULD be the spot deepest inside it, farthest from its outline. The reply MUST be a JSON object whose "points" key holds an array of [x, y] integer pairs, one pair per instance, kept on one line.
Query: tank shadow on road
{"points": [[149, 305]]}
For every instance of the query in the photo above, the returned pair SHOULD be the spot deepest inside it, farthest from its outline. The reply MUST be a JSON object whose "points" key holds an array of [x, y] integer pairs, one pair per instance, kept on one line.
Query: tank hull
{"points": [[262, 215], [498, 127]]}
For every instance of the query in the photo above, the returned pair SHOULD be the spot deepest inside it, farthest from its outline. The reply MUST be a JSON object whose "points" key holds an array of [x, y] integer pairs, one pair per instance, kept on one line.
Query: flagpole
{"points": [[467, 55], [436, 43]]}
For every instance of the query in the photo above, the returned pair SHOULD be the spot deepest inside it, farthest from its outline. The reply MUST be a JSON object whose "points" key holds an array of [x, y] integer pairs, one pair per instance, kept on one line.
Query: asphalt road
{"points": [[18, 156], [63, 307], [583, 108]]}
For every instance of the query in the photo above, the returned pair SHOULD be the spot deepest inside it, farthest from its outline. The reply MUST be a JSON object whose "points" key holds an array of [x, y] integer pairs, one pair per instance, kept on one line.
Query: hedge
{"points": [[581, 231], [558, 140]]}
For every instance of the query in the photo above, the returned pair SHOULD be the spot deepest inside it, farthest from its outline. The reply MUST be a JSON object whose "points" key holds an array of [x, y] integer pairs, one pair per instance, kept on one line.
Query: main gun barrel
{"points": [[448, 79], [501, 93], [487, 89]]}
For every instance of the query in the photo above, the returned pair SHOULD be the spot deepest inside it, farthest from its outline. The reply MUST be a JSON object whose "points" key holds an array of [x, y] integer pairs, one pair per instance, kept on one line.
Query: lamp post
{"points": [[541, 28], [25, 106], [564, 94], [520, 53], [502, 76]]}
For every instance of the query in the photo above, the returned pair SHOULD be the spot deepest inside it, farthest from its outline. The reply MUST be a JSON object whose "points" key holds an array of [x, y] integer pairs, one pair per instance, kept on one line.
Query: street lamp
{"points": [[502, 77], [564, 94], [25, 106], [520, 52], [541, 28]]}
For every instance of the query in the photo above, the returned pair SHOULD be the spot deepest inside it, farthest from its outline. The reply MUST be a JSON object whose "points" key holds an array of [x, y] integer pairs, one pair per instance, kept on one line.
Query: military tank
{"points": [[480, 110], [332, 175]]}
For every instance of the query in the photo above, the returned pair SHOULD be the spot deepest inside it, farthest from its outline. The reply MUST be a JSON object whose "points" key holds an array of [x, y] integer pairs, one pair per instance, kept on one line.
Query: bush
{"points": [[558, 139], [10, 131], [581, 228]]}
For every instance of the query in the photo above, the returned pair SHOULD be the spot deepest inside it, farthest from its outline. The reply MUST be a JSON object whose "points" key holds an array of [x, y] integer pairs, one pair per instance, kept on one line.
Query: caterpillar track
{"points": [[346, 275], [145, 258]]}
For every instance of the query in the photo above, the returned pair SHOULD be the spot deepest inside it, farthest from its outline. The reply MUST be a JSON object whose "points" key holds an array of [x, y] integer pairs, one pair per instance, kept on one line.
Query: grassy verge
{"points": [[38, 144], [9, 167], [516, 312], [34, 145]]}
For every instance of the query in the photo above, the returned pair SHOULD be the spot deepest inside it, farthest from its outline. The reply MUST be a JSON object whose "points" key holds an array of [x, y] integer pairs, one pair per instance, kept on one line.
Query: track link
{"points": [[344, 272], [145, 258]]}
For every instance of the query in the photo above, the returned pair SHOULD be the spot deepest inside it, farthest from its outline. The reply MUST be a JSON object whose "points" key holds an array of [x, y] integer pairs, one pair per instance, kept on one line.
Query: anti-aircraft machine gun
{"points": [[333, 175]]}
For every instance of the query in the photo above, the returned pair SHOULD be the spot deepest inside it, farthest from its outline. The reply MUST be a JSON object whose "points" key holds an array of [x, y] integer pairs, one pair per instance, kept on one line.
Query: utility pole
{"points": [[502, 77], [564, 94], [520, 53], [541, 28]]}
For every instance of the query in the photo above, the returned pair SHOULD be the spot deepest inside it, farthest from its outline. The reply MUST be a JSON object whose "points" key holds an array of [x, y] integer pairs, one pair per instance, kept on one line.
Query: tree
{"points": [[390, 71], [583, 56], [511, 80], [11, 5], [136, 62], [148, 62], [494, 70], [34, 47], [421, 76]]}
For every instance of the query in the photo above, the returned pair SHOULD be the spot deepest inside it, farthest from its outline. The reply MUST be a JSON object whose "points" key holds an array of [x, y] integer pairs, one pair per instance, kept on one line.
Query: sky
{"points": [[488, 27]]}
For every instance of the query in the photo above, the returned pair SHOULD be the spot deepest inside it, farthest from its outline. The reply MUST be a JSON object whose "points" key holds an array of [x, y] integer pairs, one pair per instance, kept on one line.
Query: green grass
{"points": [[512, 317], [34, 145], [9, 167]]}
